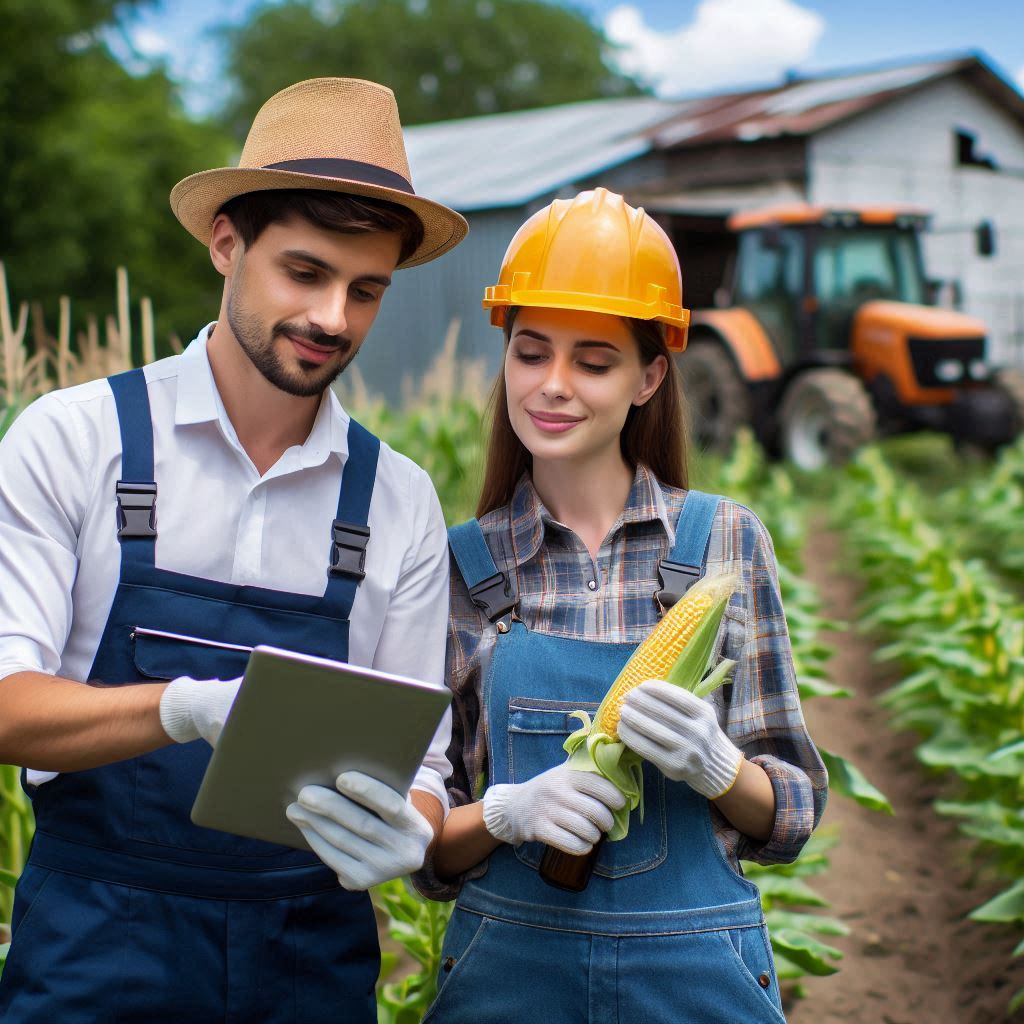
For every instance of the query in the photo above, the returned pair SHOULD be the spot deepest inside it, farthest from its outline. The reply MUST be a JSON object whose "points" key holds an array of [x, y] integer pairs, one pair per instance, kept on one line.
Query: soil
{"points": [[902, 884]]}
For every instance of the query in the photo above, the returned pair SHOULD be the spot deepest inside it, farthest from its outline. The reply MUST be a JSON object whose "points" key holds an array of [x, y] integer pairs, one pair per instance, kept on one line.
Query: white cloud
{"points": [[1020, 80], [729, 42], [150, 43]]}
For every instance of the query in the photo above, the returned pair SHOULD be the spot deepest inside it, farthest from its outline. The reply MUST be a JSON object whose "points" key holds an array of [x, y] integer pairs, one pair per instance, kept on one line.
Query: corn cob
{"points": [[657, 655]]}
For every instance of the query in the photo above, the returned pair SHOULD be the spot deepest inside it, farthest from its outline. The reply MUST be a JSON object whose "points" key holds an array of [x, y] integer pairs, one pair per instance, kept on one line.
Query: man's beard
{"points": [[258, 345]]}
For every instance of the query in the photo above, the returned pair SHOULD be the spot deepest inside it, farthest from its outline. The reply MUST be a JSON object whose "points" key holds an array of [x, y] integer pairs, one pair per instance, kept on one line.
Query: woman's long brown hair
{"points": [[654, 433]]}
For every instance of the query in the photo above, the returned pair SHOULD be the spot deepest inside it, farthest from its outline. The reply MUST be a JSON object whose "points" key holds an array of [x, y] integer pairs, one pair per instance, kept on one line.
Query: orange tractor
{"points": [[829, 339]]}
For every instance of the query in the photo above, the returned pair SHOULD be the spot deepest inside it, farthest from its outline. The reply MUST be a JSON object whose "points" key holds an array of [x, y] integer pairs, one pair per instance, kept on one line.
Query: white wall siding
{"points": [[904, 152]]}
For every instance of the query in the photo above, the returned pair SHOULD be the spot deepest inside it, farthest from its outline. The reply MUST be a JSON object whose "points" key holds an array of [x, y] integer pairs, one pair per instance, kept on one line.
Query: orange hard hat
{"points": [[598, 253]]}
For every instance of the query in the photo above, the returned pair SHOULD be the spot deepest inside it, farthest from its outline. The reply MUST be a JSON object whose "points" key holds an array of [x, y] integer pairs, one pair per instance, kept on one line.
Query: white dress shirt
{"points": [[217, 518]]}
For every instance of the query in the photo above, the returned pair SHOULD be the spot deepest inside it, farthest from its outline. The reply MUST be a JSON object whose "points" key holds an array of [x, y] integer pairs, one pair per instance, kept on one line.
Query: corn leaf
{"points": [[805, 951], [847, 779], [1005, 908], [805, 922], [1016, 1002], [811, 687], [785, 968], [791, 891]]}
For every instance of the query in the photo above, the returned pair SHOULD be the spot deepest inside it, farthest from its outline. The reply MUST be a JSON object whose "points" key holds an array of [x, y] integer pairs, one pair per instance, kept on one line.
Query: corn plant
{"points": [[960, 642], [986, 509], [787, 898], [418, 927]]}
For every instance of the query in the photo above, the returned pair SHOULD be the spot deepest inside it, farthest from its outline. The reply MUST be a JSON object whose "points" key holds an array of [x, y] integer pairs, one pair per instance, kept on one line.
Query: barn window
{"points": [[966, 155]]}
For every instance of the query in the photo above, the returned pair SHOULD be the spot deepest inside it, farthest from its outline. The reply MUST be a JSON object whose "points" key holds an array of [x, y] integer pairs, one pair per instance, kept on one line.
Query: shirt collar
{"points": [[529, 516], [198, 401]]}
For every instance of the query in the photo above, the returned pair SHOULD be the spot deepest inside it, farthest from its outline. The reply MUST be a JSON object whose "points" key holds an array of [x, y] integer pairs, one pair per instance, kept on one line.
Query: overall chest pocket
{"points": [[536, 731], [162, 655]]}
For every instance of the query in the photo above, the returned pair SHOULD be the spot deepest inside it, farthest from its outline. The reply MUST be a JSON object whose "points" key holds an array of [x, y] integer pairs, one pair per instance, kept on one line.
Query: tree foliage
{"points": [[443, 58], [88, 155]]}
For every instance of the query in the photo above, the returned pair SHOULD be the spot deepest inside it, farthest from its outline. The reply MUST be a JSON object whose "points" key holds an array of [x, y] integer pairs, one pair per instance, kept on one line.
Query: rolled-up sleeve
{"points": [[44, 481], [763, 714]]}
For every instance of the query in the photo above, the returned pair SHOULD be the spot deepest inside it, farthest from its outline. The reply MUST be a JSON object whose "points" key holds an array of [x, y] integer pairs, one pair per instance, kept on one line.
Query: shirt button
{"points": [[592, 584], [764, 980]]}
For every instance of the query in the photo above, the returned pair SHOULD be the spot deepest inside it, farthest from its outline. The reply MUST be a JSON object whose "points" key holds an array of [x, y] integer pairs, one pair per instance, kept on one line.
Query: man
{"points": [[155, 526]]}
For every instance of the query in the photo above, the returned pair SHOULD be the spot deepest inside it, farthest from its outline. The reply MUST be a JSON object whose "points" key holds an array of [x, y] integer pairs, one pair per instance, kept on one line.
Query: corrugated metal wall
{"points": [[421, 302]]}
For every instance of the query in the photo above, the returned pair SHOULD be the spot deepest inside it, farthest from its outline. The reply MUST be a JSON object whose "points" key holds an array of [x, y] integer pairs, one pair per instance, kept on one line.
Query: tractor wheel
{"points": [[825, 416], [715, 393], [1011, 382]]}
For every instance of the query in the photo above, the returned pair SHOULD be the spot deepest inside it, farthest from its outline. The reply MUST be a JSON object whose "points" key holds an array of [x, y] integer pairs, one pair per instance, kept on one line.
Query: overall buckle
{"points": [[348, 549], [136, 509], [676, 578], [492, 596]]}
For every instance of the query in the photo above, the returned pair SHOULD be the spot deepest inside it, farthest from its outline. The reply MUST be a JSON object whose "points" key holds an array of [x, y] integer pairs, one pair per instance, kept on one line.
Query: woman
{"points": [[585, 530]]}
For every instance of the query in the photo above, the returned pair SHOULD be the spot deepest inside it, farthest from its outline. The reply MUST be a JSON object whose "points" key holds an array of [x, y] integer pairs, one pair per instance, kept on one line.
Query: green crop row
{"points": [[958, 640]]}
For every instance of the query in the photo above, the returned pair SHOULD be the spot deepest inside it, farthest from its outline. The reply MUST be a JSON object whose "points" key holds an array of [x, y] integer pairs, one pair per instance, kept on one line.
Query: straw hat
{"points": [[330, 134]]}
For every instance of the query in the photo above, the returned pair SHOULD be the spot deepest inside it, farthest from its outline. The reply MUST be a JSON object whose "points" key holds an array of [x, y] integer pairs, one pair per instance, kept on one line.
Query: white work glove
{"points": [[562, 807], [366, 833], [191, 709], [679, 734]]}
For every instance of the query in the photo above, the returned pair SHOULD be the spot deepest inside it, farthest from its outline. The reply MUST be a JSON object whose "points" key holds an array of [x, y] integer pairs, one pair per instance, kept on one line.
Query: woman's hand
{"points": [[564, 808], [679, 734]]}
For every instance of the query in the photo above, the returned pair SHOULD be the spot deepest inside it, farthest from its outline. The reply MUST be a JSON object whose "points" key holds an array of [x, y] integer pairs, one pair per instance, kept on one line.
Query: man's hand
{"points": [[366, 833], [191, 709], [562, 807], [679, 734]]}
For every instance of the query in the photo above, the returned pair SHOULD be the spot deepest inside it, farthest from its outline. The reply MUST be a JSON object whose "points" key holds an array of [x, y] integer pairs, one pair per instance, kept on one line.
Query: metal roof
{"points": [[796, 108], [509, 159]]}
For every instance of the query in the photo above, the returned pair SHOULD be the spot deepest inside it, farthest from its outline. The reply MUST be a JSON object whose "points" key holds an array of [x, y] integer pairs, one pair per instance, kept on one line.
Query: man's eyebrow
{"points": [[307, 257]]}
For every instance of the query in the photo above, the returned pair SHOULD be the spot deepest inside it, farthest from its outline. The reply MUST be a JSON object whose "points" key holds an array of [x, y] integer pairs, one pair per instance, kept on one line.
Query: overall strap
{"points": [[349, 531], [489, 589], [685, 563], [136, 490]]}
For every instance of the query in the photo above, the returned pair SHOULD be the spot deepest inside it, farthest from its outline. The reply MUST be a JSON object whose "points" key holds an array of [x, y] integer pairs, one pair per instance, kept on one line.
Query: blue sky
{"points": [[683, 46]]}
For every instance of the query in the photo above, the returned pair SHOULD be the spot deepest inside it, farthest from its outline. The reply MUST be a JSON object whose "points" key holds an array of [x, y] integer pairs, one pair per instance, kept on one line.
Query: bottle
{"points": [[569, 871]]}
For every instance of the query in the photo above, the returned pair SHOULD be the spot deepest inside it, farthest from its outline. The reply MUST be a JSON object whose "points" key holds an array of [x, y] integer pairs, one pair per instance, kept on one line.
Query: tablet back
{"points": [[299, 720]]}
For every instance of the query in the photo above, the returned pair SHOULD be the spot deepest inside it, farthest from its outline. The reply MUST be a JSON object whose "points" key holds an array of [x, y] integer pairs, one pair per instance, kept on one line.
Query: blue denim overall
{"points": [[666, 932], [127, 913]]}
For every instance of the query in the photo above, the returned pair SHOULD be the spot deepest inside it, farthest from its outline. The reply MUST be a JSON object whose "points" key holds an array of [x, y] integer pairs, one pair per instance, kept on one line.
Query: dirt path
{"points": [[903, 884]]}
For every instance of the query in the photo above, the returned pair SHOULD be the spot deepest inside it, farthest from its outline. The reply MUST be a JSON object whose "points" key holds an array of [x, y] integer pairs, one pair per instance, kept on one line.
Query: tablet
{"points": [[299, 720]]}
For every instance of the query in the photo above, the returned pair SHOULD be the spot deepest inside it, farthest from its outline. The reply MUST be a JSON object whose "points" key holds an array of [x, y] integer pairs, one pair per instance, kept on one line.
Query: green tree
{"points": [[443, 58], [88, 155]]}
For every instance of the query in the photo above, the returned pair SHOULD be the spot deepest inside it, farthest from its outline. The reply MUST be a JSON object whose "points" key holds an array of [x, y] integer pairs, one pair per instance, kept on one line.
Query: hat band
{"points": [[349, 170]]}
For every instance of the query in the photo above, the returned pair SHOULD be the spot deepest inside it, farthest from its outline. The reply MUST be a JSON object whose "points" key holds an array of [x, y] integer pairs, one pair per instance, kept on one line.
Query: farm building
{"points": [[946, 135]]}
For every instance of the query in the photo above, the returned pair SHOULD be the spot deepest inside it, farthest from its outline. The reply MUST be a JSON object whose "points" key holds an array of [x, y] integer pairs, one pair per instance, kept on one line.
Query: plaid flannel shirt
{"points": [[563, 592]]}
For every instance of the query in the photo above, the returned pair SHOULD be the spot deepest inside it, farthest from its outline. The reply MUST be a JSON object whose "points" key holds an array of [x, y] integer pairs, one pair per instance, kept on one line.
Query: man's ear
{"points": [[226, 245]]}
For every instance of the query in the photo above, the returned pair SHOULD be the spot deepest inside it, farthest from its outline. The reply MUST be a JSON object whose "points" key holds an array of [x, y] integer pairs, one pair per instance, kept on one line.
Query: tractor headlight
{"points": [[949, 370], [977, 369]]}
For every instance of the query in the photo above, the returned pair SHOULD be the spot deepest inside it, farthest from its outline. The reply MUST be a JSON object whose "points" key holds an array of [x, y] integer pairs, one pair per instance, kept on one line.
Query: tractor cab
{"points": [[804, 271]]}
